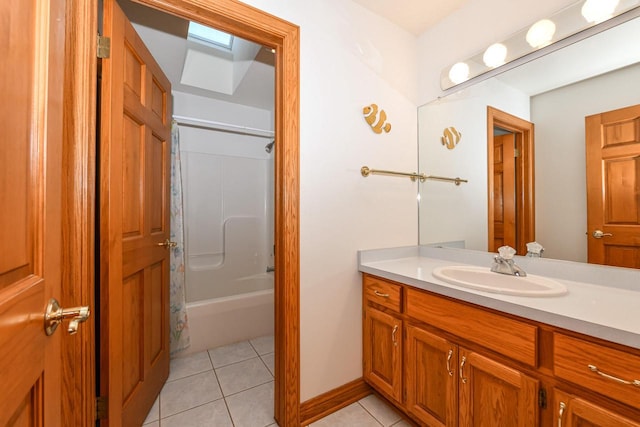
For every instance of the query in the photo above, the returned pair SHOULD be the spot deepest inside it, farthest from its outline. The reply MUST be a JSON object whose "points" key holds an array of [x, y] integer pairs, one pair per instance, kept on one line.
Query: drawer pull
{"points": [[449, 363], [393, 335], [563, 406], [380, 294], [464, 360], [611, 377]]}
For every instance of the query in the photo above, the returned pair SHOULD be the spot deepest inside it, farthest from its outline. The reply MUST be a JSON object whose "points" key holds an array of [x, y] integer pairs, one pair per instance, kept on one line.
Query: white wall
{"points": [[350, 58], [561, 220]]}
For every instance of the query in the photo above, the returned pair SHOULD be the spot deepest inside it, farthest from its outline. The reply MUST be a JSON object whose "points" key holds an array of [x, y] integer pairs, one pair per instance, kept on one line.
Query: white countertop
{"points": [[604, 302]]}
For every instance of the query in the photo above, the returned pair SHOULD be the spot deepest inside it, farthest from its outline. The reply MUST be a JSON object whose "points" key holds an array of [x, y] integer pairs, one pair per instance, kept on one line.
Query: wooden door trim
{"points": [[526, 186], [260, 27], [78, 265], [78, 207]]}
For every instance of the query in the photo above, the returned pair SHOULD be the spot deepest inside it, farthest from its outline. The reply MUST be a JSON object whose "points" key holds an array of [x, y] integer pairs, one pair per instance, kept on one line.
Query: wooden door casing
{"points": [[492, 394], [613, 186], [134, 290], [431, 378], [31, 219], [382, 357]]}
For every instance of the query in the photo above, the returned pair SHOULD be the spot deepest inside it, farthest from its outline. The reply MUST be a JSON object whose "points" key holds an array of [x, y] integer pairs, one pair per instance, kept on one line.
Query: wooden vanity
{"points": [[447, 362]]}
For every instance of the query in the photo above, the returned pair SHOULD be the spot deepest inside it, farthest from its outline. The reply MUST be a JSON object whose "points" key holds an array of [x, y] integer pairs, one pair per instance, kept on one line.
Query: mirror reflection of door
{"points": [[510, 181], [613, 187]]}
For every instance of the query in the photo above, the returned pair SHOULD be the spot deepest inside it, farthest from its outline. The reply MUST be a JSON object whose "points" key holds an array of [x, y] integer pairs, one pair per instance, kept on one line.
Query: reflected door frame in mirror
{"points": [[522, 222]]}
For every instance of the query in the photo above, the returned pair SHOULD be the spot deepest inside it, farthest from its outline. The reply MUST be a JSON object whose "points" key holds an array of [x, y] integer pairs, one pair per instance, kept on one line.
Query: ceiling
{"points": [[415, 16]]}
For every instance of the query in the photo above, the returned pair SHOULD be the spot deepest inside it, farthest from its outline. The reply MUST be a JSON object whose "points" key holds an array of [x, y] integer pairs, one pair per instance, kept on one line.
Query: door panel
{"points": [[613, 187], [492, 394], [135, 138], [31, 76], [504, 189]]}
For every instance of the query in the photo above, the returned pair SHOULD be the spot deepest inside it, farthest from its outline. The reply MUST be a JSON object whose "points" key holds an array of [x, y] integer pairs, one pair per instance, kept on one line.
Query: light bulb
{"points": [[495, 55], [459, 73], [596, 11], [541, 33]]}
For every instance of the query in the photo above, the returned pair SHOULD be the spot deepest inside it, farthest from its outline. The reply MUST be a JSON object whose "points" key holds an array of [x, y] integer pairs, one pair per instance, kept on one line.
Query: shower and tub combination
{"points": [[228, 193]]}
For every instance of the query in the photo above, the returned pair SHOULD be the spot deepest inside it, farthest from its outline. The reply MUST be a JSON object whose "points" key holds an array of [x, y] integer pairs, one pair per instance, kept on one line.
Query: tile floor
{"points": [[232, 386]]}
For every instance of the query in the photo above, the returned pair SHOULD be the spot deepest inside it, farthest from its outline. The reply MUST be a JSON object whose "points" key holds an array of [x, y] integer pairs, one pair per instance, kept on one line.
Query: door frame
{"points": [[80, 196], [525, 176]]}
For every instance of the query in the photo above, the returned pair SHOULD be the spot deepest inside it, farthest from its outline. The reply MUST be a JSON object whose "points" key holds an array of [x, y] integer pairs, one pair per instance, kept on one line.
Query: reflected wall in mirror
{"points": [[555, 92]]}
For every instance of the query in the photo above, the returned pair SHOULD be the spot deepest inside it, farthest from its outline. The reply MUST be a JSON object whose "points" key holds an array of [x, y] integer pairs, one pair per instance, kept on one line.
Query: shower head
{"points": [[269, 146]]}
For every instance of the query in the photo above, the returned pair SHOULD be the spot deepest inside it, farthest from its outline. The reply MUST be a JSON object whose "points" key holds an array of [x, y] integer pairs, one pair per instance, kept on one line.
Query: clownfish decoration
{"points": [[450, 137], [371, 114]]}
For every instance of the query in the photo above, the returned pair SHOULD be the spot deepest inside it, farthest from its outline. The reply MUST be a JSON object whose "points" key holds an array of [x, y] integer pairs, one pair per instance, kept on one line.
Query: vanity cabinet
{"points": [[382, 332], [445, 362], [574, 411]]}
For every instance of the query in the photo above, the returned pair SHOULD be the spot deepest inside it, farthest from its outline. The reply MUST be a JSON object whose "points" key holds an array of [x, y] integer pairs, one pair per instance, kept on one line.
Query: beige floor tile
{"points": [[381, 411], [353, 415], [253, 407], [189, 392], [196, 363], [232, 353], [210, 414], [242, 376], [263, 345]]}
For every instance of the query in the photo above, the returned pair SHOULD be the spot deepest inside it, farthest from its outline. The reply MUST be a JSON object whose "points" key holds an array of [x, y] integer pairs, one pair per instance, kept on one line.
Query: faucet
{"points": [[503, 263], [271, 269]]}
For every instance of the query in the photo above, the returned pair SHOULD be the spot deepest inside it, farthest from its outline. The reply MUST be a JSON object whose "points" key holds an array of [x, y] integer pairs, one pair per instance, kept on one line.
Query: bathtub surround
{"points": [[178, 324]]}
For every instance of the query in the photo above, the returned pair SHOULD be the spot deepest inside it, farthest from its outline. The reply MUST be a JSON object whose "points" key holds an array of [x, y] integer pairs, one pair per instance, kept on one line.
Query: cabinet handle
{"points": [[380, 294], [595, 369], [449, 363], [462, 377], [563, 406], [393, 335]]}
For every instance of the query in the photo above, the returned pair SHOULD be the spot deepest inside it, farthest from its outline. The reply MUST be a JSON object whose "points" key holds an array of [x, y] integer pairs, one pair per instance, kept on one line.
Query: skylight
{"points": [[206, 35]]}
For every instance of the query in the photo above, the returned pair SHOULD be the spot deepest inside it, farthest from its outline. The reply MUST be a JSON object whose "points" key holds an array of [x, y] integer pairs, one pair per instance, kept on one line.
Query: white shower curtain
{"points": [[179, 327]]}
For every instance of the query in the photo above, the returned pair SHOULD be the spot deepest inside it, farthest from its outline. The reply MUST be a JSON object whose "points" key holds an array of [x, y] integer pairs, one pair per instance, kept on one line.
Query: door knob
{"points": [[56, 314], [598, 234], [168, 244]]}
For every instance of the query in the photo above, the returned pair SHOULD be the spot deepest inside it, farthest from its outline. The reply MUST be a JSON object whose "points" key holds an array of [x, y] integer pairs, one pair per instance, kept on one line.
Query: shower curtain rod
{"points": [[209, 124]]}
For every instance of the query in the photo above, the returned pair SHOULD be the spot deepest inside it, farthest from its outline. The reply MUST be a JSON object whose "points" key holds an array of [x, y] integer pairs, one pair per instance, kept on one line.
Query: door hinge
{"points": [[104, 47], [542, 398], [101, 408], [516, 152]]}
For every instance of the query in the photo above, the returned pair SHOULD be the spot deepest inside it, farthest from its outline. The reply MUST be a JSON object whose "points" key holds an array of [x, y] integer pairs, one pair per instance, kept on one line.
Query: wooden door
{"points": [[31, 80], [431, 378], [613, 187], [494, 395], [382, 357], [134, 222], [572, 411], [504, 192]]}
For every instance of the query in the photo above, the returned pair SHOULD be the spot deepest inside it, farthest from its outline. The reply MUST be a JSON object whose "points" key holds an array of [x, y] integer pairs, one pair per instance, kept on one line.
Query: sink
{"points": [[483, 279]]}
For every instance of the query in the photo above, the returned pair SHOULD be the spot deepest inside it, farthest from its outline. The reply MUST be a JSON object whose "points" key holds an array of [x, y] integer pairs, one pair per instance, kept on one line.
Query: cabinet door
{"points": [[431, 378], [494, 395], [383, 352], [575, 412]]}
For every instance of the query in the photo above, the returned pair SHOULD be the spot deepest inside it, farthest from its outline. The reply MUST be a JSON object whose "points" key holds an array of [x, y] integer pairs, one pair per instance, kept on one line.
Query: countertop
{"points": [[602, 302]]}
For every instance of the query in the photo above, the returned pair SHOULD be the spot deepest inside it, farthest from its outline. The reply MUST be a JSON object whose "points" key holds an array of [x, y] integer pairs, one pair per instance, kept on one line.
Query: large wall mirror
{"points": [[555, 93]]}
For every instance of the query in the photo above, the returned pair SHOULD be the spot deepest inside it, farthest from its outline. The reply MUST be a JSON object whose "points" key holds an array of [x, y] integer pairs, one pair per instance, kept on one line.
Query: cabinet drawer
{"points": [[382, 292], [598, 368], [512, 338]]}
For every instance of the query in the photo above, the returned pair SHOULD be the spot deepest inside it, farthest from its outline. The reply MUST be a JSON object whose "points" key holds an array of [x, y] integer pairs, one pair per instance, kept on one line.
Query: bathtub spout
{"points": [[270, 269]]}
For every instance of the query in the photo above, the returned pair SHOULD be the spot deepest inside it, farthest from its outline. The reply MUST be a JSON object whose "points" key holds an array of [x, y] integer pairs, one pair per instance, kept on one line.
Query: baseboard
{"points": [[331, 401]]}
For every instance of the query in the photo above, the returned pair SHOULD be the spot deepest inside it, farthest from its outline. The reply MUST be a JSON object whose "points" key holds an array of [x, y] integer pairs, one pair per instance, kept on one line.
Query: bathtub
{"points": [[221, 321]]}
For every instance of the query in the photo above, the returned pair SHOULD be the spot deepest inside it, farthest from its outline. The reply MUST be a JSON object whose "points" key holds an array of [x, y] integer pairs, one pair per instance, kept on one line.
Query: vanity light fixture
{"points": [[596, 11], [541, 33], [495, 55], [459, 72], [576, 20]]}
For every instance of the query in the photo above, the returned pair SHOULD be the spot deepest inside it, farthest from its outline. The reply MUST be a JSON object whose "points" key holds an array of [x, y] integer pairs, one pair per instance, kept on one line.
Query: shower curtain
{"points": [[179, 327]]}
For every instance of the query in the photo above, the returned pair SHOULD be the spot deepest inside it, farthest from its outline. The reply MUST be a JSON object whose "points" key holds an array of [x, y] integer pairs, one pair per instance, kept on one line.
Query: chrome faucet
{"points": [[503, 263]]}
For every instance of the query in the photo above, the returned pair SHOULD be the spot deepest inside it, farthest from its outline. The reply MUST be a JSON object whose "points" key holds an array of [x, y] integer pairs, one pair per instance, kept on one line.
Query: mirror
{"points": [[555, 92]]}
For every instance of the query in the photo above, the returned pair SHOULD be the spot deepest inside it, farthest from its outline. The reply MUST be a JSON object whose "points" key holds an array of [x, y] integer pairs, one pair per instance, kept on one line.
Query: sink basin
{"points": [[483, 279]]}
